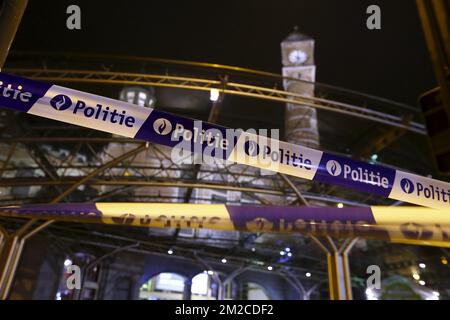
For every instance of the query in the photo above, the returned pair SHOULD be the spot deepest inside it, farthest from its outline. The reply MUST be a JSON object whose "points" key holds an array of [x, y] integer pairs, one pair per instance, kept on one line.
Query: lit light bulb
{"points": [[308, 274], [67, 262], [340, 205], [214, 95], [270, 268], [370, 294], [170, 251]]}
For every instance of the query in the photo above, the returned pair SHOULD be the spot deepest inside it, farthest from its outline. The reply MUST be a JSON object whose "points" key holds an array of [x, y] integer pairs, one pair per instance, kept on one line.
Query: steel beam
{"points": [[434, 15], [8, 158], [299, 195], [99, 170], [10, 16], [200, 84]]}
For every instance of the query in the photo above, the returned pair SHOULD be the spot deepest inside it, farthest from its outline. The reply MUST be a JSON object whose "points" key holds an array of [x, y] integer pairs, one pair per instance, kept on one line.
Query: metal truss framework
{"points": [[97, 241], [118, 174], [204, 84], [126, 176]]}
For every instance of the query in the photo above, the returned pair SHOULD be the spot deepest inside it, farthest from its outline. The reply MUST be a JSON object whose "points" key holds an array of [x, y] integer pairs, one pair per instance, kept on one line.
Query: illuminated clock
{"points": [[297, 56]]}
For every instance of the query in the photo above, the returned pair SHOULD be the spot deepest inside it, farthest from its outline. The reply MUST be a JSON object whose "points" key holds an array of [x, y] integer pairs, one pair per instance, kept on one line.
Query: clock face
{"points": [[297, 56]]}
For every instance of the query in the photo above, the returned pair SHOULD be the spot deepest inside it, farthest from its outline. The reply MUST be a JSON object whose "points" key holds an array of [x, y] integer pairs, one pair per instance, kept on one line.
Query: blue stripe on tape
{"points": [[306, 220], [20, 93], [122, 118], [357, 175], [242, 214], [197, 136], [57, 210]]}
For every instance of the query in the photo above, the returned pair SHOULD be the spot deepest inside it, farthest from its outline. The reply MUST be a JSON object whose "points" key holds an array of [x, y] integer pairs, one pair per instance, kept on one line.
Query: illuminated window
{"points": [[200, 284], [169, 282]]}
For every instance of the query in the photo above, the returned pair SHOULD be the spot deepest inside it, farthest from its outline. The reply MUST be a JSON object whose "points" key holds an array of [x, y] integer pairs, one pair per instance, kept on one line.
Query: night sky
{"points": [[392, 62]]}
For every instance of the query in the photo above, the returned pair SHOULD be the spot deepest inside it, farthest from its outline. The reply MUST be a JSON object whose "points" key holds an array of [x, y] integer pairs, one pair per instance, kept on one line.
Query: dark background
{"points": [[392, 62]]}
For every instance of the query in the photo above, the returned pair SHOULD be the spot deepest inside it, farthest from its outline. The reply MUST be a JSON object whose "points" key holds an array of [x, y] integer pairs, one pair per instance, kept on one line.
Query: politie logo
{"points": [[98, 112], [407, 186], [361, 174], [162, 126], [61, 102], [334, 168], [427, 190], [251, 148]]}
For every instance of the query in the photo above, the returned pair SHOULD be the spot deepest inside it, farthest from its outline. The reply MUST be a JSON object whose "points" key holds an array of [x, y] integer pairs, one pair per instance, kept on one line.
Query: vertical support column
{"points": [[434, 16], [337, 276], [334, 280], [187, 289], [10, 255], [346, 267], [220, 291], [3, 238], [6, 258], [338, 268], [12, 252], [10, 16]]}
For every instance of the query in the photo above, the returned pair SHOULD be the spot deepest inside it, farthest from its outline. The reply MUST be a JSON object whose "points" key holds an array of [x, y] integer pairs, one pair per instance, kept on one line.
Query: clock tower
{"points": [[297, 52]]}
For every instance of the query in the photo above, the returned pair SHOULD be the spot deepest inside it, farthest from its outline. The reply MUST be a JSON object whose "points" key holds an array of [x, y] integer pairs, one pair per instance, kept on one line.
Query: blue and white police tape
{"points": [[205, 139], [412, 225]]}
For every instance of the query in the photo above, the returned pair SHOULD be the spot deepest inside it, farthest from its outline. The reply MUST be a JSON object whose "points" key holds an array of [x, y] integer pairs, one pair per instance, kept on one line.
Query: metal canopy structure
{"points": [[49, 162], [397, 118], [371, 109]]}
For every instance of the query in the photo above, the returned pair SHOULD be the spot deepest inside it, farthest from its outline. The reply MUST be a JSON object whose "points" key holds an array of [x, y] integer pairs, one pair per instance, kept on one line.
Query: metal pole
{"points": [[99, 170], [4, 236], [16, 257], [338, 271], [346, 267], [10, 17], [6, 261], [434, 17], [187, 294], [332, 287], [332, 282], [295, 189], [338, 268]]}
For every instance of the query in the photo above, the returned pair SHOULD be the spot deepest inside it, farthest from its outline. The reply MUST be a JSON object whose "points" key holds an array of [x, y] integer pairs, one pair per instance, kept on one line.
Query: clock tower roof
{"points": [[295, 36]]}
